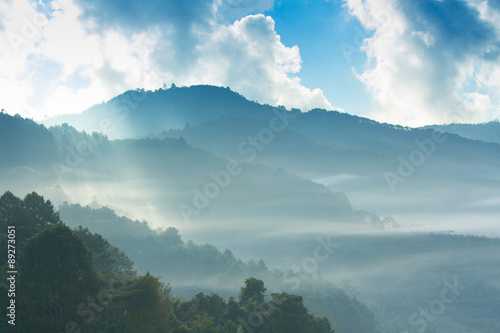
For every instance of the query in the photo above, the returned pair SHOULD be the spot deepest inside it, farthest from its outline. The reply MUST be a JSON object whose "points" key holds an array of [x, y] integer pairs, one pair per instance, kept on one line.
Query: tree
{"points": [[233, 310], [211, 305], [106, 258], [204, 324], [148, 306], [228, 327], [29, 215], [171, 237], [254, 289], [11, 209], [39, 213], [55, 274], [290, 315]]}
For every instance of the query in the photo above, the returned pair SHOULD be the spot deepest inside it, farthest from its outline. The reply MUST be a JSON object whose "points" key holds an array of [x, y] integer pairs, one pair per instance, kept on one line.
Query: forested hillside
{"points": [[340, 210], [73, 280]]}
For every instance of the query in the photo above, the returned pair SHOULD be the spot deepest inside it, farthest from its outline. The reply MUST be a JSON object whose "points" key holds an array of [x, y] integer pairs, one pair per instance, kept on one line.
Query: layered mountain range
{"points": [[275, 184]]}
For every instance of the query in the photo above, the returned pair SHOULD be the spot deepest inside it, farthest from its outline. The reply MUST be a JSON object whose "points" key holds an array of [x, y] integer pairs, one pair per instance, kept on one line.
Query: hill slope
{"points": [[487, 132], [169, 180]]}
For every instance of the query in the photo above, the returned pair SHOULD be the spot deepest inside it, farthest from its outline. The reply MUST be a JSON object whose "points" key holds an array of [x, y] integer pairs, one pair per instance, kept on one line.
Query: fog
{"points": [[330, 205]]}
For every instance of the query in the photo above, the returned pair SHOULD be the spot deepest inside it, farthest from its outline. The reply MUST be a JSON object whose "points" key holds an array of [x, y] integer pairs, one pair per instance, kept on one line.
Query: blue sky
{"points": [[320, 36], [405, 62]]}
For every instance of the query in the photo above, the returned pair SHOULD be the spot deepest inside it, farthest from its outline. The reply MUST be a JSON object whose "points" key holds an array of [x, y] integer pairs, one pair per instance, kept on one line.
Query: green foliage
{"points": [[211, 305], [345, 313], [61, 285], [253, 290], [284, 313], [29, 216], [171, 238], [55, 272], [148, 307], [229, 327], [233, 310], [289, 314], [34, 144], [165, 254], [106, 258], [67, 135], [204, 324]]}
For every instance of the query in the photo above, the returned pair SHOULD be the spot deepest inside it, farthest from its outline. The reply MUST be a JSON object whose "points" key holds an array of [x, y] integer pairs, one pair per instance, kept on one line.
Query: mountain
{"points": [[139, 113], [380, 268], [24, 142], [487, 132], [92, 286], [193, 268], [279, 184], [177, 182], [391, 170]]}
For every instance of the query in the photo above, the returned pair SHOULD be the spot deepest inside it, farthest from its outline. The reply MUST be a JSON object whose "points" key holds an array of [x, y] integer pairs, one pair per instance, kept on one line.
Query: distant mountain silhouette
{"points": [[356, 155], [24, 142], [487, 132], [182, 182], [222, 168], [138, 112]]}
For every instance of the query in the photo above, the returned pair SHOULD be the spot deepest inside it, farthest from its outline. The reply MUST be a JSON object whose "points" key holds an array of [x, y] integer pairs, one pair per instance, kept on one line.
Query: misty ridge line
{"points": [[222, 178], [120, 107], [108, 291], [382, 18], [309, 266], [254, 146], [417, 157], [202, 195], [250, 148], [322, 251], [420, 319]]}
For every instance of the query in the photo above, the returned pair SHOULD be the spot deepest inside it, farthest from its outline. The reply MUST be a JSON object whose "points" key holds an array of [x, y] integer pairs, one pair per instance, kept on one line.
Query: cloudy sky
{"points": [[396, 61]]}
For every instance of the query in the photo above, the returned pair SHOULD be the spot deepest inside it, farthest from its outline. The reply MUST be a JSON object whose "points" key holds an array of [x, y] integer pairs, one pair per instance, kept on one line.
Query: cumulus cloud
{"points": [[62, 56], [249, 57], [430, 61], [54, 66], [231, 10]]}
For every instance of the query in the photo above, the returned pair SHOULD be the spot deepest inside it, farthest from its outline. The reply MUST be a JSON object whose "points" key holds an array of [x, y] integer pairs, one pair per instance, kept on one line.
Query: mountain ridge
{"points": [[184, 105]]}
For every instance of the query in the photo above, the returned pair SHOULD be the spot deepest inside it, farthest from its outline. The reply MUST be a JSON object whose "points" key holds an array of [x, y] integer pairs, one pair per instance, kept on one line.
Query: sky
{"points": [[403, 62]]}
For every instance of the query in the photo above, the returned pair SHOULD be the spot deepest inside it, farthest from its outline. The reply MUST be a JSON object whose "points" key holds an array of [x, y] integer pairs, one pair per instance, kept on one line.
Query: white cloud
{"points": [[16, 39], [249, 57], [97, 61], [231, 10], [109, 62], [429, 61]]}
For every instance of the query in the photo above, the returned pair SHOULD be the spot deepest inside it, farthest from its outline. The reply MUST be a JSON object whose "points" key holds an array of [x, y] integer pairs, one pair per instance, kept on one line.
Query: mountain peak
{"points": [[140, 112]]}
